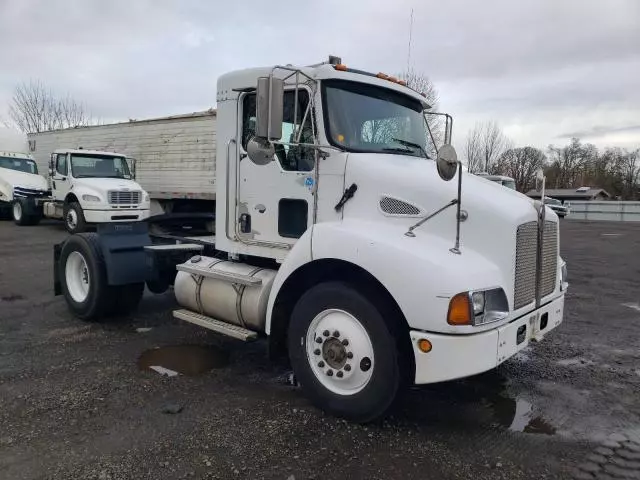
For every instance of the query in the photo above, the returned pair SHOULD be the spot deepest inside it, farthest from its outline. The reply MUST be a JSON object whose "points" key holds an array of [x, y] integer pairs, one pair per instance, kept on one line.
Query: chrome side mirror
{"points": [[269, 108]]}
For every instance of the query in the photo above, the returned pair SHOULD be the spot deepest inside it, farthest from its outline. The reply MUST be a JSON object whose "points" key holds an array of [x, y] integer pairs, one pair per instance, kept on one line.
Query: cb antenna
{"points": [[409, 46]]}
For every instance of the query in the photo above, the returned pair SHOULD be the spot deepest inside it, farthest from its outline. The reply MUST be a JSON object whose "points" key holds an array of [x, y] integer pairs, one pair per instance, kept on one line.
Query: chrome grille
{"points": [[549, 259], [526, 253], [124, 197], [393, 206], [525, 280]]}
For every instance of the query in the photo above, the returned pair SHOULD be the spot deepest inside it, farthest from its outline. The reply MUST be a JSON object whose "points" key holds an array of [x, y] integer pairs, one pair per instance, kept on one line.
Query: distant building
{"points": [[568, 194]]}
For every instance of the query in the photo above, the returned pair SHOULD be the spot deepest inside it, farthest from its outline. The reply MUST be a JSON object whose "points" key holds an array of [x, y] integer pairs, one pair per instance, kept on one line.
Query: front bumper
{"points": [[458, 356], [113, 215]]}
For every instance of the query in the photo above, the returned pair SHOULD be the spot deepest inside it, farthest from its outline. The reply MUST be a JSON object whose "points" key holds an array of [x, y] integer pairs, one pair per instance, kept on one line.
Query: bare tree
{"points": [[473, 151], [34, 108], [484, 145], [521, 165], [422, 83]]}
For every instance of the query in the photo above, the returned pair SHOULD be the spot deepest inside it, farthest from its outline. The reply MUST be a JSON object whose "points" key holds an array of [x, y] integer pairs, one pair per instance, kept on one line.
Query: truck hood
{"points": [[13, 178], [400, 190], [103, 185]]}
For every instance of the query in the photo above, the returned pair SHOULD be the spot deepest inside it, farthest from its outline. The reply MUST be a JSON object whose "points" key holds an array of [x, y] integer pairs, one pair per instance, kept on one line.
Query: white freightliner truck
{"points": [[85, 186], [371, 265], [18, 178]]}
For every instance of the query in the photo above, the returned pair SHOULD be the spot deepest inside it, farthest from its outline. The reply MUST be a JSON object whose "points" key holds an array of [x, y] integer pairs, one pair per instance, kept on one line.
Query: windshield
{"points": [[20, 164], [509, 184], [364, 118], [102, 166]]}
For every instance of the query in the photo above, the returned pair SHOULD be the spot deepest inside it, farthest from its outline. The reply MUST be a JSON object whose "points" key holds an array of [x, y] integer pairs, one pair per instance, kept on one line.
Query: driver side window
{"points": [[291, 158], [61, 164]]}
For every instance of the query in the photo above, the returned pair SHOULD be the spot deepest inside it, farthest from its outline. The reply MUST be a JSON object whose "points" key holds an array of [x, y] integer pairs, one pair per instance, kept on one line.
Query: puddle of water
{"points": [[184, 359], [518, 415]]}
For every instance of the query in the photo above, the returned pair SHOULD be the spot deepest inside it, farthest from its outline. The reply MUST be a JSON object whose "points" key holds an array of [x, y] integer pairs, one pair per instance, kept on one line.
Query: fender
{"points": [[420, 273], [299, 255]]}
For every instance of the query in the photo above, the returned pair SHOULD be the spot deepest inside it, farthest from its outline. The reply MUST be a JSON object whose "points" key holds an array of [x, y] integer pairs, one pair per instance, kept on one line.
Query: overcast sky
{"points": [[545, 70]]}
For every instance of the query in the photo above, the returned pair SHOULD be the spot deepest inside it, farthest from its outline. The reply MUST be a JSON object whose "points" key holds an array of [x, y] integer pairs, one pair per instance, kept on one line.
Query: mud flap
{"points": [[122, 246], [57, 288]]}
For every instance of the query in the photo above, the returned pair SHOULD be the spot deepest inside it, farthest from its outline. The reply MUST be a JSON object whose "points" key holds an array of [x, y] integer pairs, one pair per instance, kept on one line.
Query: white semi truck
{"points": [[85, 187], [19, 178], [371, 265]]}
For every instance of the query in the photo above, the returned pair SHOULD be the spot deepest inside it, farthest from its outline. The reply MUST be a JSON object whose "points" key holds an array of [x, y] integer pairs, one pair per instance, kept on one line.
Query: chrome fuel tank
{"points": [[232, 292]]}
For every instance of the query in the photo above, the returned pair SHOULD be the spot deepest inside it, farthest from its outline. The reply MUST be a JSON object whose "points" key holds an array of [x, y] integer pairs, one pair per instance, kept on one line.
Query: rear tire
{"points": [[83, 280], [355, 374], [74, 220]]}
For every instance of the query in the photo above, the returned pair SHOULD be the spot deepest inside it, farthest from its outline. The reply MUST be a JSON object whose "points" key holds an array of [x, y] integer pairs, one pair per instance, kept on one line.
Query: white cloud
{"points": [[541, 68]]}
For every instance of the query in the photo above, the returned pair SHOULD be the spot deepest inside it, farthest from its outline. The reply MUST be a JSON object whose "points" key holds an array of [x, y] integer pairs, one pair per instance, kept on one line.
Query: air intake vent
{"points": [[393, 206]]}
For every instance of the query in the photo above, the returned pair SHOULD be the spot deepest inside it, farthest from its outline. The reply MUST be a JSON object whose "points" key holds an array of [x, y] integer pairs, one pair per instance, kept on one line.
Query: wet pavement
{"points": [[151, 397]]}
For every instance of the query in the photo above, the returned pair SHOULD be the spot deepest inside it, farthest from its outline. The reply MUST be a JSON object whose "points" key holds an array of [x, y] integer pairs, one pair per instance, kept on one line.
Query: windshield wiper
{"points": [[407, 143], [399, 150]]}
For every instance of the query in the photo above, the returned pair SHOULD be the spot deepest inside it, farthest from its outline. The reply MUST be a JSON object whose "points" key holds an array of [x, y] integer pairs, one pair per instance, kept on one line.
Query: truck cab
{"points": [[89, 187], [371, 262]]}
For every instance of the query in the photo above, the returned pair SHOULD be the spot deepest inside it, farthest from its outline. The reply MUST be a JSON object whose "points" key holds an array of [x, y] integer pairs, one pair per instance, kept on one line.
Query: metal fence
{"points": [[605, 210]]}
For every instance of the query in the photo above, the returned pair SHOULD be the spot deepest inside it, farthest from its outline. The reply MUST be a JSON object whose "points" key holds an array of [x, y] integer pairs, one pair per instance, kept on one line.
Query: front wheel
{"points": [[19, 213], [74, 220], [343, 352]]}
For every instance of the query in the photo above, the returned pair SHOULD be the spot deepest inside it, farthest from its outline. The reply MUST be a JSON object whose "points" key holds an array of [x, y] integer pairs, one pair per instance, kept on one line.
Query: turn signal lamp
{"points": [[424, 345], [460, 310], [341, 66]]}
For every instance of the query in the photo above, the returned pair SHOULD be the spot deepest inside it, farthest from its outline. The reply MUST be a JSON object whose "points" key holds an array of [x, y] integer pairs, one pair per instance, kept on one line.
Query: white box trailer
{"points": [[174, 156]]}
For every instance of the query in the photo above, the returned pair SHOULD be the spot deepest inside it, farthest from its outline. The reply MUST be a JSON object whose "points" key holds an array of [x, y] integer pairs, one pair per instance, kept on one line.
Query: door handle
{"points": [[63, 179]]}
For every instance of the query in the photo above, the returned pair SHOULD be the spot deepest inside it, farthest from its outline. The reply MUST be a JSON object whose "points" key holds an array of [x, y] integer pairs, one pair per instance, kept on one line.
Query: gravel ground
{"points": [[77, 403]]}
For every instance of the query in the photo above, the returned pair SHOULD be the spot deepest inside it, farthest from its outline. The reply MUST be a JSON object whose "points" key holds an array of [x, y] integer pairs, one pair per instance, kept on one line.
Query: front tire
{"points": [[83, 280], [19, 209], [74, 220], [343, 352]]}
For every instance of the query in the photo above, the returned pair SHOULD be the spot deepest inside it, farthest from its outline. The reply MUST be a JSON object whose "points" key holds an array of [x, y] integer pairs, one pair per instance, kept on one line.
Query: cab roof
{"points": [[25, 156], [82, 151], [245, 80]]}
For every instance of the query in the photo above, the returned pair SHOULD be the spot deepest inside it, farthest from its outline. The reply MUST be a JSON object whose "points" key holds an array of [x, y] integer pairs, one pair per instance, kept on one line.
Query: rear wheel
{"points": [[83, 280], [74, 220], [343, 352]]}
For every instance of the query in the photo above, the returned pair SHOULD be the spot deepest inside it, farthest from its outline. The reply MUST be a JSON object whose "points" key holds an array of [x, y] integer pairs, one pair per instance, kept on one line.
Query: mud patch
{"points": [[11, 298], [574, 362], [185, 359]]}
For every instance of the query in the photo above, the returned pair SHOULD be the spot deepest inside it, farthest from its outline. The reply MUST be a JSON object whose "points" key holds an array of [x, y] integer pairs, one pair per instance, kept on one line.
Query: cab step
{"points": [[219, 326], [230, 277], [195, 247]]}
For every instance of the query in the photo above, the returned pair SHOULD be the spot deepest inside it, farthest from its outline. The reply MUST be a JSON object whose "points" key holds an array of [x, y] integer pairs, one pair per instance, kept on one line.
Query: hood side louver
{"points": [[394, 206]]}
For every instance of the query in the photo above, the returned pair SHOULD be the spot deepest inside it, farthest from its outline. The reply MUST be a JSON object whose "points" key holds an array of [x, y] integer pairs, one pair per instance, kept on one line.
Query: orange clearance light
{"points": [[393, 79], [383, 76], [459, 310], [423, 94], [424, 345], [402, 82], [341, 138], [342, 67]]}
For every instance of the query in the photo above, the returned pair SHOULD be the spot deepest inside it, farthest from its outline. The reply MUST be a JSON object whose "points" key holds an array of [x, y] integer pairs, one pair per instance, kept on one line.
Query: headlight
{"points": [[477, 301], [90, 198], [145, 197], [478, 307]]}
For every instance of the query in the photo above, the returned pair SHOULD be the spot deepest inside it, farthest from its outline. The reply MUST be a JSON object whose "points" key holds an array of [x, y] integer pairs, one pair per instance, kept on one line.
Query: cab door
{"points": [[275, 202], [60, 180]]}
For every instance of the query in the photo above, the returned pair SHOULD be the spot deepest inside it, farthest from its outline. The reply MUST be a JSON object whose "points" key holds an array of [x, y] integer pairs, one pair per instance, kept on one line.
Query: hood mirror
{"points": [[447, 162]]}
